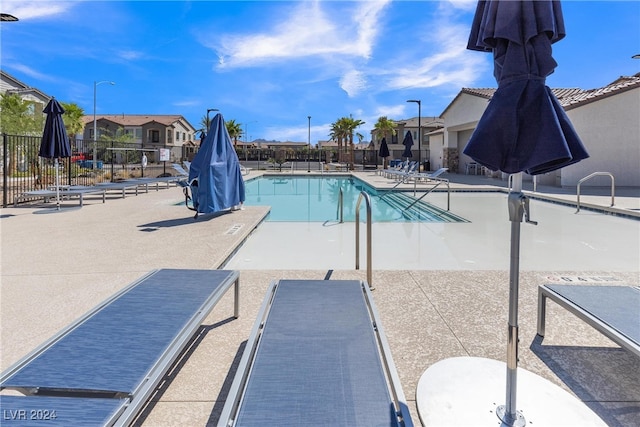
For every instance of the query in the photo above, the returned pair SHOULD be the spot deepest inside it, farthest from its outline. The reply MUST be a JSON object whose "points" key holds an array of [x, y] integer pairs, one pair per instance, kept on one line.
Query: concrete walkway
{"points": [[56, 266]]}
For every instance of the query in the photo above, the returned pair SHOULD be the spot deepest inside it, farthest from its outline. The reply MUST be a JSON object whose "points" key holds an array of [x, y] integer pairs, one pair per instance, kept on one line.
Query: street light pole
{"points": [[309, 145], [246, 139], [208, 111], [95, 135], [419, 102]]}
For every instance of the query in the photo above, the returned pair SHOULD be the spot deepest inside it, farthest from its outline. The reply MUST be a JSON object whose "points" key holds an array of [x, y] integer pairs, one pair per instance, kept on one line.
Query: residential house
{"points": [[148, 132], [606, 119], [36, 98]]}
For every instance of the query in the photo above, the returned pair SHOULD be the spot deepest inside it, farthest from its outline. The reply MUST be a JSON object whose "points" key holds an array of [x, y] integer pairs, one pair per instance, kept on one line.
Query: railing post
{"points": [[5, 188], [367, 199]]}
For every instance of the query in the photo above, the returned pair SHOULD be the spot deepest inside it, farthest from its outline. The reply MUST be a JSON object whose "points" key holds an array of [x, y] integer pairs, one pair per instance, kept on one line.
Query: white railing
{"points": [[613, 186]]}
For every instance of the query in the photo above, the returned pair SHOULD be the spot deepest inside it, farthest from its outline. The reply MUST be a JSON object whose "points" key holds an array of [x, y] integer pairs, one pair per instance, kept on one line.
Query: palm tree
{"points": [[72, 118], [234, 129], [340, 133], [385, 126], [205, 122], [350, 125]]}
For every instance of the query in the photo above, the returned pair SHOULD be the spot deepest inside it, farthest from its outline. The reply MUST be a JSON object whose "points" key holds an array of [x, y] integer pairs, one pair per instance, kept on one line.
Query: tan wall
{"points": [[610, 131]]}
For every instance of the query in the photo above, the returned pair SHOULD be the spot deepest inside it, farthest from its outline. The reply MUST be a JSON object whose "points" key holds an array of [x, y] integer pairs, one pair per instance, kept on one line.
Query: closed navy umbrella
{"points": [[384, 151], [55, 142], [408, 143], [524, 128]]}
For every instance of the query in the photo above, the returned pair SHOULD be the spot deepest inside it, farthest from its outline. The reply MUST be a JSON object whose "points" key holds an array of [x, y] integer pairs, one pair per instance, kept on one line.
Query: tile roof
{"points": [[136, 119], [574, 97], [620, 85]]}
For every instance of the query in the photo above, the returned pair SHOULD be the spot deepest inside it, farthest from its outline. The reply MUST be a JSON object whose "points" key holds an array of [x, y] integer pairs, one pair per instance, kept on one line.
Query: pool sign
{"points": [[581, 279], [164, 155]]}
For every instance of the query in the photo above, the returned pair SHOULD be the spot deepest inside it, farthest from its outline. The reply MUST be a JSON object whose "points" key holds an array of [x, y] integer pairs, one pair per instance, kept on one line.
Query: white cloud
{"points": [[306, 32], [187, 103], [129, 55], [452, 64], [30, 72], [25, 10], [392, 112], [353, 82]]}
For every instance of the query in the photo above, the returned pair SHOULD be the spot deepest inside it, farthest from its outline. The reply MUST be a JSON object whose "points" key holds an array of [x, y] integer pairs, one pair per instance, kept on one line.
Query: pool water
{"points": [[315, 199]]}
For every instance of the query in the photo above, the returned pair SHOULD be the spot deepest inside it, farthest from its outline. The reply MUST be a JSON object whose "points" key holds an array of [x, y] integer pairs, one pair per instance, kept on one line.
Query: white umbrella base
{"points": [[467, 391]]}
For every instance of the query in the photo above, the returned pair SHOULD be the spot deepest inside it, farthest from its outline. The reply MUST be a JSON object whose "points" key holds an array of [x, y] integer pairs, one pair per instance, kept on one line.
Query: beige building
{"points": [[147, 131], [36, 98], [606, 119]]}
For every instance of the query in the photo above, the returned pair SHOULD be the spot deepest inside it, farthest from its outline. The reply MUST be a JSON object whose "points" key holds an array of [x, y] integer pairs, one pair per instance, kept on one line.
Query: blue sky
{"points": [[271, 64]]}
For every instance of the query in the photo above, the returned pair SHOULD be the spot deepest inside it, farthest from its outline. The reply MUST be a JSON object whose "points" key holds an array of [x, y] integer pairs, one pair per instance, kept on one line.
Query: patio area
{"points": [[56, 267]]}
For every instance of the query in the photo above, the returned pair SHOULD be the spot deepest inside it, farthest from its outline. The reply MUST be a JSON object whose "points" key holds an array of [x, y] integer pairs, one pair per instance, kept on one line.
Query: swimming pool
{"points": [[315, 199]]}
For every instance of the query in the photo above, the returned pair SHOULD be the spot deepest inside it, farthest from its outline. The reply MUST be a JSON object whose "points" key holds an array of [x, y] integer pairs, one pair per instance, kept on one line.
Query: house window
{"points": [[177, 135], [154, 135], [184, 136]]}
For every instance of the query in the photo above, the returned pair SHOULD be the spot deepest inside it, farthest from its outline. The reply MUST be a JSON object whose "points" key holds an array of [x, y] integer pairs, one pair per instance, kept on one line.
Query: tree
{"points": [[385, 127], [205, 122], [123, 138], [72, 118], [350, 125], [234, 129], [17, 116], [339, 134]]}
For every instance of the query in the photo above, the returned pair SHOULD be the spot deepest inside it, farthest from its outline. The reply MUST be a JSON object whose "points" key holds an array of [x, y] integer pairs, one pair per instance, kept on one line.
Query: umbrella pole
{"points": [[55, 162], [518, 207]]}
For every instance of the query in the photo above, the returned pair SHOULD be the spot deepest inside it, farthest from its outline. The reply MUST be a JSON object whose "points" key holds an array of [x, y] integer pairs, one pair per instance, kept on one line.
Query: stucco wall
{"points": [[609, 128], [610, 131]]}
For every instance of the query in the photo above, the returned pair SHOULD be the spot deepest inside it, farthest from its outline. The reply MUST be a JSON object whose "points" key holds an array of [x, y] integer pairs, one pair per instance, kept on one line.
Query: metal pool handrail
{"points": [[367, 199], [339, 213], [440, 181], [613, 186]]}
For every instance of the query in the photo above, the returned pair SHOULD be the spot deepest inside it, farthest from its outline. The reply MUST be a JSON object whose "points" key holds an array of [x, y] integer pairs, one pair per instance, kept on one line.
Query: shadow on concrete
{"points": [[598, 376], [175, 369], [181, 221]]}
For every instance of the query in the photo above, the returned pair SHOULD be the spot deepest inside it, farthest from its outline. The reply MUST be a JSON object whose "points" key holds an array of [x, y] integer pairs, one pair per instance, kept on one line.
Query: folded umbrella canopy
{"points": [[214, 175], [55, 141], [384, 152], [408, 143], [384, 149], [524, 128]]}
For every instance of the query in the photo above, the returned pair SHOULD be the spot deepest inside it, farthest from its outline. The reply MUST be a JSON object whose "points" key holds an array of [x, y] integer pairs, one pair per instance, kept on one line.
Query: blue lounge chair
{"points": [[317, 355], [399, 168], [427, 176], [106, 365], [612, 310]]}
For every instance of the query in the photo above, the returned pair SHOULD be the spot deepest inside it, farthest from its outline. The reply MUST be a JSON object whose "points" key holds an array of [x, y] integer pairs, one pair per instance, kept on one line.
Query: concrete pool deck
{"points": [[55, 267]]}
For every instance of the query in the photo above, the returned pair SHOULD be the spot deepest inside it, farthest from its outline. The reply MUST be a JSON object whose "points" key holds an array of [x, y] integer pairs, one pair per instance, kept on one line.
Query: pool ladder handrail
{"points": [[439, 181], [364, 195], [340, 208], [613, 186]]}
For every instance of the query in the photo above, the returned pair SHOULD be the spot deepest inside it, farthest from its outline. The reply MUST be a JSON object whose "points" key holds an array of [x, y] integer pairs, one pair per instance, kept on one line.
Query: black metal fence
{"points": [[23, 170]]}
